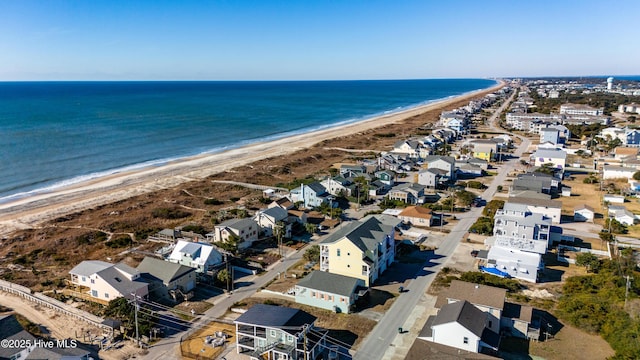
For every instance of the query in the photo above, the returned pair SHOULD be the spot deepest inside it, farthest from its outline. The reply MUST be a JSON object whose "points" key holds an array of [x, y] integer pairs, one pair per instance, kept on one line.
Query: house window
{"points": [[93, 281], [290, 338], [94, 293], [272, 333], [313, 294], [465, 340], [490, 323], [106, 295], [338, 253], [84, 279]]}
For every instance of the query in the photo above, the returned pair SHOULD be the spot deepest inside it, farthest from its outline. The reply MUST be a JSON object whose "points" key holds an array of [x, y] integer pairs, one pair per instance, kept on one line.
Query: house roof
{"points": [[621, 150], [90, 267], [518, 312], [200, 253], [432, 158], [551, 154], [276, 212], [165, 271], [276, 317], [317, 188], [237, 223], [536, 202], [115, 277], [474, 293], [11, 329], [423, 350], [463, 313], [365, 234], [583, 207], [417, 212], [331, 283], [58, 353], [528, 194]]}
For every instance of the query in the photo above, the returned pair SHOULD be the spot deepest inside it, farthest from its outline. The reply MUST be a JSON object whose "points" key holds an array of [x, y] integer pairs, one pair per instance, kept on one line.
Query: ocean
{"points": [[54, 134]]}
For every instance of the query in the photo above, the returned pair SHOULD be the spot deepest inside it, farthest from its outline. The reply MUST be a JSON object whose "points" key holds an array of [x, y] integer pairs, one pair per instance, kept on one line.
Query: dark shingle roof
{"points": [[331, 283], [365, 234], [10, 329], [276, 316], [162, 270], [465, 314], [517, 311], [427, 350], [476, 294]]}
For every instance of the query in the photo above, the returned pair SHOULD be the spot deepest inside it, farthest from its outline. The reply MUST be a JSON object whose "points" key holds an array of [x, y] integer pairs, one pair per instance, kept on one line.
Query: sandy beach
{"points": [[31, 211]]}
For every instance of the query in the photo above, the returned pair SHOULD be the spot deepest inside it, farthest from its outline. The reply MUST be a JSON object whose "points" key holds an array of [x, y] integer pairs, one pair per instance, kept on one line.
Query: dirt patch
{"points": [[571, 343], [196, 346]]}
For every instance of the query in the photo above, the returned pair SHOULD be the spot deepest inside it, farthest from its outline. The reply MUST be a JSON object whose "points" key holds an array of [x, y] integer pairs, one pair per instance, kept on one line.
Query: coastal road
{"points": [[379, 341], [166, 348]]}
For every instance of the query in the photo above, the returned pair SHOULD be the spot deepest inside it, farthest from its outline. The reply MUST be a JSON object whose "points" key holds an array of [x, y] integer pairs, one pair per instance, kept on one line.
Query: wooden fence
{"points": [[51, 303]]}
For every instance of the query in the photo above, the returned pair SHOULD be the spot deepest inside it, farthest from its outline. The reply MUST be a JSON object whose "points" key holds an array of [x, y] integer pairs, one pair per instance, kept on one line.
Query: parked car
{"points": [[474, 253]]}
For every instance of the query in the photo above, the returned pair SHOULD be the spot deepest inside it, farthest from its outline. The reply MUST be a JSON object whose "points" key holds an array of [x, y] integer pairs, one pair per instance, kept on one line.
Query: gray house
{"points": [[167, 281], [279, 333], [409, 193], [329, 291]]}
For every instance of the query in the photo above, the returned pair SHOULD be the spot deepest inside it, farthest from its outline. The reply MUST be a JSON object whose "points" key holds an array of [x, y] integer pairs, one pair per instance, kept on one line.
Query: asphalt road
{"points": [[379, 340]]}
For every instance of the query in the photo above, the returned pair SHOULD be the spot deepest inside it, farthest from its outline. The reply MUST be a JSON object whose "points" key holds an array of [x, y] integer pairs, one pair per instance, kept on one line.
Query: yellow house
{"points": [[362, 249], [484, 149]]}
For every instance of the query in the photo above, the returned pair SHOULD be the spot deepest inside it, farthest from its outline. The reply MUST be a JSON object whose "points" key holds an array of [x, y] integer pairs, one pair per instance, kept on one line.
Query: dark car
{"points": [[474, 253]]}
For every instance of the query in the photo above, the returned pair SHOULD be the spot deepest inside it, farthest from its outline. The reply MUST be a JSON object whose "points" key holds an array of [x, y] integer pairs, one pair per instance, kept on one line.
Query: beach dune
{"points": [[32, 211]]}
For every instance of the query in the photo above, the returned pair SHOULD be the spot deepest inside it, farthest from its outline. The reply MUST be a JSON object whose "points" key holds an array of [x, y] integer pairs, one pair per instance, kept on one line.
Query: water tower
{"points": [[609, 83]]}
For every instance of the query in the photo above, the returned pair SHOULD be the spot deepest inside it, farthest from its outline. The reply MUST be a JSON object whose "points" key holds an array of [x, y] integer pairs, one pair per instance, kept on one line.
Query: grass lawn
{"points": [[582, 193]]}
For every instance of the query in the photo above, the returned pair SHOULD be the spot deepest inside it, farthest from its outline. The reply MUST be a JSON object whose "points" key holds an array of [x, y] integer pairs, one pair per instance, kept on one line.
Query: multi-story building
{"points": [[278, 332], [245, 230], [579, 109], [516, 226], [362, 249]]}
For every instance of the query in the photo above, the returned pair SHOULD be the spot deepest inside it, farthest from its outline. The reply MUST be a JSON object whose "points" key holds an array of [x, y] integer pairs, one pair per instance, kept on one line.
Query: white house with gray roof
{"points": [[103, 281], [557, 158], [461, 325], [329, 291], [270, 218], [202, 257]]}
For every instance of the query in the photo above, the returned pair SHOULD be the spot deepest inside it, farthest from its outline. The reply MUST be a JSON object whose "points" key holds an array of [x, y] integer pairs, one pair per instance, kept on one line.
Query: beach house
{"points": [[463, 326], [278, 332], [271, 218], [417, 216], [167, 280], [244, 230], [102, 281], [409, 193], [329, 291], [362, 249], [484, 149], [556, 158], [200, 256]]}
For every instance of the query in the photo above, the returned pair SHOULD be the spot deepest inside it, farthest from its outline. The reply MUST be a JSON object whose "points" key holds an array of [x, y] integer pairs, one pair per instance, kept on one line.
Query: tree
{"points": [[231, 245], [588, 260], [636, 175], [312, 253], [121, 309], [224, 276], [606, 236], [310, 228], [615, 226], [465, 197]]}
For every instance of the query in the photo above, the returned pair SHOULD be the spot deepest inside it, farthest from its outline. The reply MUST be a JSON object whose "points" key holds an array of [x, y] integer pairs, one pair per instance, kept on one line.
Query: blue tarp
{"points": [[494, 271]]}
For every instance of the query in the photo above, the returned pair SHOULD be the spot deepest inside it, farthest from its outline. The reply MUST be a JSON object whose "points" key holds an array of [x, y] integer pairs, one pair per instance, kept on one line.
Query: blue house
{"points": [[330, 291], [314, 195]]}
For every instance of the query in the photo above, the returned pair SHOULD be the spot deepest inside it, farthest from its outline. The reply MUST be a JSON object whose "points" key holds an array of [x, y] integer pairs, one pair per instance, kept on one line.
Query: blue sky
{"points": [[305, 39]]}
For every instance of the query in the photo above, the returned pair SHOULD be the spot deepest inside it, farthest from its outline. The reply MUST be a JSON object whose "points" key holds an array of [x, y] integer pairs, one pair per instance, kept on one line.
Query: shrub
{"points": [[91, 237], [212, 201], [166, 213], [119, 241]]}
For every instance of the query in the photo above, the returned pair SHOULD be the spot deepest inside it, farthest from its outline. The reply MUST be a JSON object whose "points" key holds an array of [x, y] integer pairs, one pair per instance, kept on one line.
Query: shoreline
{"points": [[29, 211]]}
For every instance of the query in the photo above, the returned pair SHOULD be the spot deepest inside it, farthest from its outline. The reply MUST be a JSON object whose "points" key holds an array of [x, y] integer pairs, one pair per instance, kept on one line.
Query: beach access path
{"points": [[384, 341], [31, 211]]}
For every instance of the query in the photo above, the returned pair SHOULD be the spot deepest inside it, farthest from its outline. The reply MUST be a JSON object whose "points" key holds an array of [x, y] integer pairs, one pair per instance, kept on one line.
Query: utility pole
{"points": [[135, 304], [626, 293]]}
